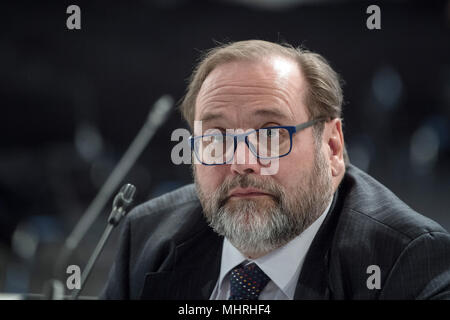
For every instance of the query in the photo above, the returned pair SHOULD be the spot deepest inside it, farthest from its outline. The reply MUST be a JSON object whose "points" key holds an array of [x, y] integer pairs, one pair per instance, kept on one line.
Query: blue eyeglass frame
{"points": [[244, 137]]}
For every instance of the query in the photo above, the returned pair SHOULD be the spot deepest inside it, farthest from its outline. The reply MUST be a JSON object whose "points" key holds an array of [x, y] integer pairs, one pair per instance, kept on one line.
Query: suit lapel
{"points": [[195, 270], [313, 283]]}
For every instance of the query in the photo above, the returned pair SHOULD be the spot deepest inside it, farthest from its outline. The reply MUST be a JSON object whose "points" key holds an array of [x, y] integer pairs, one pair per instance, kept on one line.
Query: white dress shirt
{"points": [[282, 265]]}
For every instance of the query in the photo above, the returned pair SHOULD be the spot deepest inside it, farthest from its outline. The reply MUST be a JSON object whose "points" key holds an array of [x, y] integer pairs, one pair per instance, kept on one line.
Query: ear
{"points": [[334, 139]]}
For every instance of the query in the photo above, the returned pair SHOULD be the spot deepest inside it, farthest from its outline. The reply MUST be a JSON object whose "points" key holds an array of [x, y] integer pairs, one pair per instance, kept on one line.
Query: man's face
{"points": [[259, 213]]}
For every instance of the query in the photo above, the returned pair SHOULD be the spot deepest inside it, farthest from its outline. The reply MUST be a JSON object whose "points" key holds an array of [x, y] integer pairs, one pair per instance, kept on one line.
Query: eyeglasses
{"points": [[265, 143]]}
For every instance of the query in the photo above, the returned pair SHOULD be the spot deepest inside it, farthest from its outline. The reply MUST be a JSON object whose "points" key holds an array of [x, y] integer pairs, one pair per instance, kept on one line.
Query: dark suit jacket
{"points": [[168, 251]]}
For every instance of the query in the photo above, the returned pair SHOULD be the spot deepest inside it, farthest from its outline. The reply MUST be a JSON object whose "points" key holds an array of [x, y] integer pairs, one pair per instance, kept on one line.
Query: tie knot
{"points": [[247, 282]]}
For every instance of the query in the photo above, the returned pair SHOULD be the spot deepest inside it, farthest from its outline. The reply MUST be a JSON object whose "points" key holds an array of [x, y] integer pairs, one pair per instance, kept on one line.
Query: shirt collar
{"points": [[291, 255]]}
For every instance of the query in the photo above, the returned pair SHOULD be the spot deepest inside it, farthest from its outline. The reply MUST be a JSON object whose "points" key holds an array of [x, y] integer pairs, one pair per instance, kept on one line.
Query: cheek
{"points": [[302, 155], [294, 168], [210, 177], [286, 175]]}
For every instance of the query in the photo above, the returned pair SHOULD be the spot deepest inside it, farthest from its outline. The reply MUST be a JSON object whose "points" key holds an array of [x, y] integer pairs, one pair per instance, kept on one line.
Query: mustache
{"points": [[248, 181]]}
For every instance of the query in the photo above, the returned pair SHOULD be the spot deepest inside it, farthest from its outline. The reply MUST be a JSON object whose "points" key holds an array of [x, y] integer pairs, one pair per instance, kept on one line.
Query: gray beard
{"points": [[259, 226]]}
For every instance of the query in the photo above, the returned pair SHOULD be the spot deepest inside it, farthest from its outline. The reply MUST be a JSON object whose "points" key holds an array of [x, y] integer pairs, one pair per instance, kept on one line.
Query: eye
{"points": [[270, 133]]}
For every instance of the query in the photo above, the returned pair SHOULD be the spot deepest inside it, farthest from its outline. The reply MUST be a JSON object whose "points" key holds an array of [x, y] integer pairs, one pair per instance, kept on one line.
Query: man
{"points": [[315, 228]]}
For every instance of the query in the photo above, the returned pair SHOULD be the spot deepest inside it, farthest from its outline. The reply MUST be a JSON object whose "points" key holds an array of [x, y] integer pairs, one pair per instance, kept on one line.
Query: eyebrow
{"points": [[261, 113]]}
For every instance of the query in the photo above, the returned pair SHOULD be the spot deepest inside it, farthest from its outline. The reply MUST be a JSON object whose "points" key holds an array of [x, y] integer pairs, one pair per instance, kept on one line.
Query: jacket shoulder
{"points": [[183, 196], [171, 216], [370, 202], [149, 233], [376, 228]]}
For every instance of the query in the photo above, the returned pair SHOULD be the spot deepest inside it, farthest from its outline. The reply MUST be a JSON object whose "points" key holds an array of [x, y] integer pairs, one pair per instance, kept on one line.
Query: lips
{"points": [[247, 192]]}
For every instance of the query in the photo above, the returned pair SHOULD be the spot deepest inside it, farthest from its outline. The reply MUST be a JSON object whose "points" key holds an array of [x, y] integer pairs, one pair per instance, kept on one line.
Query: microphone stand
{"points": [[121, 203], [155, 118]]}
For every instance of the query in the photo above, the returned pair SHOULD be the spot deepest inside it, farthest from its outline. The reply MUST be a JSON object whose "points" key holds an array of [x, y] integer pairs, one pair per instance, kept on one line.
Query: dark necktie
{"points": [[247, 282]]}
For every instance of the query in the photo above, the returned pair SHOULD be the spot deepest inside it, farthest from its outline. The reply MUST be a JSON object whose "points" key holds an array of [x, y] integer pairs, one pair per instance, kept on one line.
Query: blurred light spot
{"points": [[387, 87], [424, 148], [441, 125], [361, 150], [11, 296], [17, 278], [88, 141], [24, 243], [47, 228]]}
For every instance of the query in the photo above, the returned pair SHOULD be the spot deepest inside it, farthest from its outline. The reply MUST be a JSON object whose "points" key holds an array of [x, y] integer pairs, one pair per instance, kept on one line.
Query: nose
{"points": [[244, 161]]}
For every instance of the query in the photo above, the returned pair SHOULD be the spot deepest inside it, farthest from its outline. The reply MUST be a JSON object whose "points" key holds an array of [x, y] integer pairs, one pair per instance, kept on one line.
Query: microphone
{"points": [[121, 203], [155, 119]]}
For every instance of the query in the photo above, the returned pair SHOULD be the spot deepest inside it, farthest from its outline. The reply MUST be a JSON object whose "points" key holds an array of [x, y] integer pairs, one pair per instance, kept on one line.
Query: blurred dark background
{"points": [[72, 101]]}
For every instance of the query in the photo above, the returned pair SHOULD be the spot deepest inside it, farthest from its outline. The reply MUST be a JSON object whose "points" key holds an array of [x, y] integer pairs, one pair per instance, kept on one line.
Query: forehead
{"points": [[273, 87]]}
